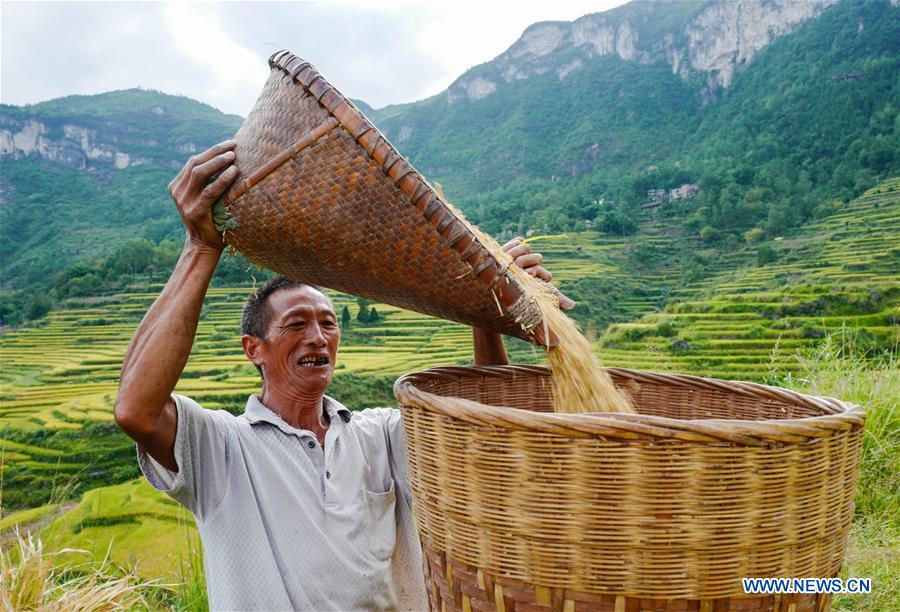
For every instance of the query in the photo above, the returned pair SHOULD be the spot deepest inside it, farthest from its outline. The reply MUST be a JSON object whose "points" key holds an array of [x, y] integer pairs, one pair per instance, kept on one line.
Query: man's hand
{"points": [[521, 253], [195, 194], [489, 348]]}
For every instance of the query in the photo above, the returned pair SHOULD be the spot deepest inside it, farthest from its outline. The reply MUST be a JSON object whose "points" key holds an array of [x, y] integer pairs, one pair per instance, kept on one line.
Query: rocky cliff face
{"points": [[712, 38], [112, 131], [727, 35], [73, 145]]}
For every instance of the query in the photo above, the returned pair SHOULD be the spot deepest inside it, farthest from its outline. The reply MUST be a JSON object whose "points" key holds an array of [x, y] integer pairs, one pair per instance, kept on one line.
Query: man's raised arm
{"points": [[162, 343]]}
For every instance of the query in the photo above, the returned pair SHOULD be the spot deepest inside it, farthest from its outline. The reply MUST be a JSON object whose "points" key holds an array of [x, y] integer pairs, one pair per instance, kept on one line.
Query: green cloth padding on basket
{"points": [[222, 219]]}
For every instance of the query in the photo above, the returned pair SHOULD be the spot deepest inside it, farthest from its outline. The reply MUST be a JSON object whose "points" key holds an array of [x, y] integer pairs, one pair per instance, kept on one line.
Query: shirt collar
{"points": [[257, 412]]}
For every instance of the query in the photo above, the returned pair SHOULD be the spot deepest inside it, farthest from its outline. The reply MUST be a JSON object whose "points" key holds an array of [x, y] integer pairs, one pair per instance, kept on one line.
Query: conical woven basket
{"points": [[519, 508], [323, 197]]}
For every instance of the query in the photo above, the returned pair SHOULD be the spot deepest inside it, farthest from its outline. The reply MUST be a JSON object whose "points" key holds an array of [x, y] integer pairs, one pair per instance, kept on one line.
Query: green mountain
{"points": [[544, 137], [82, 175]]}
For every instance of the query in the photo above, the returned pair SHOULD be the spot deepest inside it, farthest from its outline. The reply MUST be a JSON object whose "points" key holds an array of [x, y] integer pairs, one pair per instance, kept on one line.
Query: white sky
{"points": [[381, 52]]}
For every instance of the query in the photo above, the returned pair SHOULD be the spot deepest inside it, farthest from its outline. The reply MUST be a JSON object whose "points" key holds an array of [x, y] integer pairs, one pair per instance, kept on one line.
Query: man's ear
{"points": [[252, 349]]}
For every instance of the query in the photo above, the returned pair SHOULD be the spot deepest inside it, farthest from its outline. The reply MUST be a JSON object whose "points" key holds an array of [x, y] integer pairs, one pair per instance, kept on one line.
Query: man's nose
{"points": [[314, 336]]}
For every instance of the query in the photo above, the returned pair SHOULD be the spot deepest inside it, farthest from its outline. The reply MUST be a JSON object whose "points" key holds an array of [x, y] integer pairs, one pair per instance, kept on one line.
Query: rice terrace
{"points": [[60, 376], [733, 218]]}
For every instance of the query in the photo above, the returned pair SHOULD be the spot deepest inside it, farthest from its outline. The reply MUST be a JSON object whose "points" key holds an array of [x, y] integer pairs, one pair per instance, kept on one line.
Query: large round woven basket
{"points": [[519, 508], [323, 197]]}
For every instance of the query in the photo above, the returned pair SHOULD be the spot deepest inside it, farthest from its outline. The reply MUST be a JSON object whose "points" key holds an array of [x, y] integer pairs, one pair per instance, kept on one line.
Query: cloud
{"points": [[227, 70], [383, 53]]}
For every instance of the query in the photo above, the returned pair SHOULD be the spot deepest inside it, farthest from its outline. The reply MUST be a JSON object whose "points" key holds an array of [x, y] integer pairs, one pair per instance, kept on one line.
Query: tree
{"points": [[766, 255], [345, 317], [373, 315], [709, 234], [363, 315], [618, 222], [132, 257], [754, 235], [37, 305]]}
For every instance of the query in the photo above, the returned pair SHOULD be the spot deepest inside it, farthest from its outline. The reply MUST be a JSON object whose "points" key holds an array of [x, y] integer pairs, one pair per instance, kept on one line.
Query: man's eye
{"points": [[296, 324]]}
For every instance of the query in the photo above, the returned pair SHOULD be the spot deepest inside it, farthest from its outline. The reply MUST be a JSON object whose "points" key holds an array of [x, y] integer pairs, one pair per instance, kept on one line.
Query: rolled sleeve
{"points": [[201, 453]]}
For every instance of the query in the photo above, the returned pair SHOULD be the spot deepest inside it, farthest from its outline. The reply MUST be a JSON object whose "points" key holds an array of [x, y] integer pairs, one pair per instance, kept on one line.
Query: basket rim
{"points": [[838, 415]]}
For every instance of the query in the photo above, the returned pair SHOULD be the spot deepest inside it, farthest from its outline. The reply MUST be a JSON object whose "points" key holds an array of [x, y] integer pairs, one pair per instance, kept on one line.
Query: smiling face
{"points": [[298, 353]]}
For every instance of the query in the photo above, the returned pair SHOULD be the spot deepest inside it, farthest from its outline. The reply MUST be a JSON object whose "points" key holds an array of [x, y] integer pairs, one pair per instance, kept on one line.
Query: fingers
{"points": [[211, 152], [565, 302], [530, 262], [521, 253], [540, 272], [200, 159], [512, 243], [214, 190], [201, 174], [527, 261], [517, 247]]}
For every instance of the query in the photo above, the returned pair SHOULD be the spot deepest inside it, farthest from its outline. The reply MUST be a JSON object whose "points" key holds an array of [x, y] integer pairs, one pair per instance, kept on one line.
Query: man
{"points": [[300, 505]]}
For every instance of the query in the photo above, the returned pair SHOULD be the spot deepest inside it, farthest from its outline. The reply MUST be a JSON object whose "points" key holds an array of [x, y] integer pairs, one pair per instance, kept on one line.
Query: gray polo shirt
{"points": [[287, 526]]}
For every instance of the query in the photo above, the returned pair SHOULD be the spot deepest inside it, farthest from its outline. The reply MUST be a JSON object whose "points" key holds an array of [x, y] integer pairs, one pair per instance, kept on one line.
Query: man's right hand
{"points": [[195, 195]]}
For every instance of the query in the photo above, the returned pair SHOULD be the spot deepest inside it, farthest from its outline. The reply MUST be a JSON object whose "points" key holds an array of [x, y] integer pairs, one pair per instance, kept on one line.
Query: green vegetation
{"points": [[55, 215], [789, 140], [146, 123], [745, 320], [59, 380], [739, 320], [835, 369], [26, 517], [33, 579], [135, 265], [788, 136]]}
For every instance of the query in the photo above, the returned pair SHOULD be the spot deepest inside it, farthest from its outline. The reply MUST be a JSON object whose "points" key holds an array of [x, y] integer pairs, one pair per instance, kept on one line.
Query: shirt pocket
{"points": [[381, 519]]}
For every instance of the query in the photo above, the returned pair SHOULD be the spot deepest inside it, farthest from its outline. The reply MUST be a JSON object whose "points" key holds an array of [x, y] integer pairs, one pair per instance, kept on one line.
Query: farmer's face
{"points": [[299, 352]]}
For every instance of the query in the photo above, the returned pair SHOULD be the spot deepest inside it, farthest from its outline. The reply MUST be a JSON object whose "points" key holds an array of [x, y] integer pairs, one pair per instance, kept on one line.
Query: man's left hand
{"points": [[531, 262]]}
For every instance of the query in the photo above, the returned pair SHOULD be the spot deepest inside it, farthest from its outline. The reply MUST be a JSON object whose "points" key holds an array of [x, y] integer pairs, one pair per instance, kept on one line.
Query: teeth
{"points": [[313, 361]]}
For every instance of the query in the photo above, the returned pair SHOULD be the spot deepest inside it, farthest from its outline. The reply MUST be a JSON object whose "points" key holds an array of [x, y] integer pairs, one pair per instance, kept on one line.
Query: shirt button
{"points": [[328, 475], [312, 444]]}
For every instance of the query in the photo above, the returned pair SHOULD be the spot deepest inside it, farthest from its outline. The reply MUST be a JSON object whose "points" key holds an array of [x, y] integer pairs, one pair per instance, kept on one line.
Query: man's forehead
{"points": [[292, 299]]}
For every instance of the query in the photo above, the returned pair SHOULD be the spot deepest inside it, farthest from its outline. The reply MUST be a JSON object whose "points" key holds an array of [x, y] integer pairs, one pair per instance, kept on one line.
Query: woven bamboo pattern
{"points": [[323, 197], [520, 508]]}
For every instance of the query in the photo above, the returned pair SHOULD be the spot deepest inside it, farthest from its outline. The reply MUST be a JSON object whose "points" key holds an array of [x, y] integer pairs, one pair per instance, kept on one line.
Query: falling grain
{"points": [[580, 383]]}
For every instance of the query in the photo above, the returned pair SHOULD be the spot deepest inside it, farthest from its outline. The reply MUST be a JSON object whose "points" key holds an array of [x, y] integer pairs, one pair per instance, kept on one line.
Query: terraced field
{"points": [[63, 373], [137, 526], [748, 321]]}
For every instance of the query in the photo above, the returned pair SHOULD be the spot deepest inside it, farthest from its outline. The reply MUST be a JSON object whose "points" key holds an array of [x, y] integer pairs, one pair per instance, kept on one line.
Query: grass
{"points": [[24, 517], [33, 579], [836, 369], [121, 547]]}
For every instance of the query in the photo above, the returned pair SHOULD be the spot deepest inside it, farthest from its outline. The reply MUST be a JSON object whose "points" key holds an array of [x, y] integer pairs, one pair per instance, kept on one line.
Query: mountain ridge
{"points": [[712, 38], [120, 128]]}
